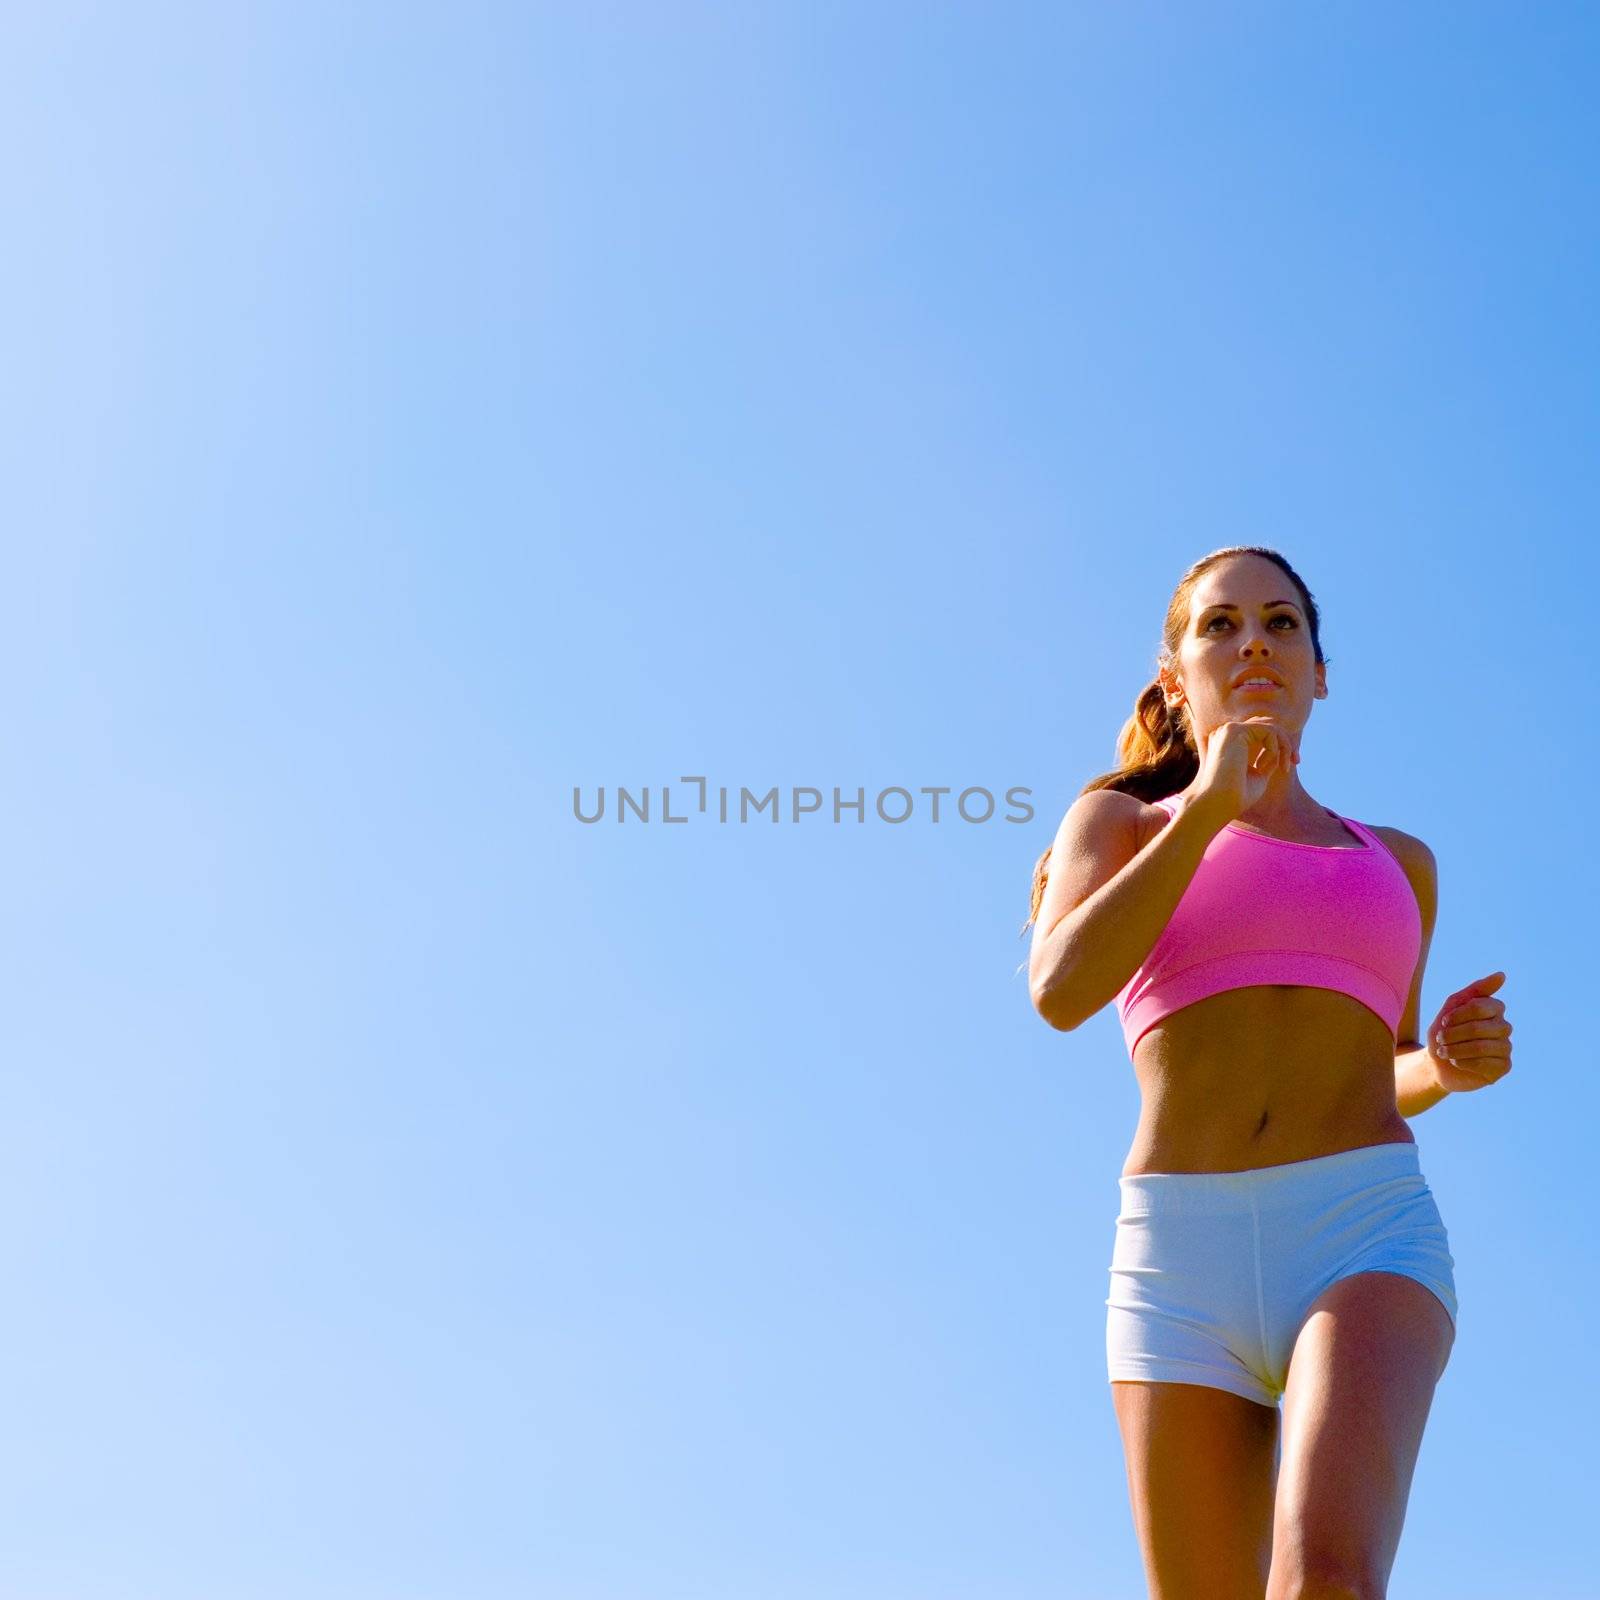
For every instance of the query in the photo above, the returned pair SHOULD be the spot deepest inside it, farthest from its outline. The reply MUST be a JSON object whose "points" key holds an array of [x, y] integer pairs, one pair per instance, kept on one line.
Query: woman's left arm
{"points": [[1468, 1045]]}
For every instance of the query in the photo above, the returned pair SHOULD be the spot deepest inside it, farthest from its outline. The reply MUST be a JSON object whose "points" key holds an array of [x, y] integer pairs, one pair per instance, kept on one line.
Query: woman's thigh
{"points": [[1361, 1385], [1202, 1468]]}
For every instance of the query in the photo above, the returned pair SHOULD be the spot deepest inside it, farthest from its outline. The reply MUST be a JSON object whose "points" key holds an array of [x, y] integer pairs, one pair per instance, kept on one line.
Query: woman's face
{"points": [[1245, 620]]}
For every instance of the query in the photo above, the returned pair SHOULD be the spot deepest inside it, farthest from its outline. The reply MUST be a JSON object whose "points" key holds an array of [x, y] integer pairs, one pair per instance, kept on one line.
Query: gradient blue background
{"points": [[410, 414]]}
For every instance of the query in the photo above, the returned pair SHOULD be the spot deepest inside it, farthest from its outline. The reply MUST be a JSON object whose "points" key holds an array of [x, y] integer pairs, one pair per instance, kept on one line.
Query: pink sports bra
{"points": [[1261, 910]]}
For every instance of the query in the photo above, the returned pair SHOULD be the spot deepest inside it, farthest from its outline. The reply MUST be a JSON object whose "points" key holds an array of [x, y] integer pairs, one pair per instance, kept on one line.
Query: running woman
{"points": [[1277, 1241]]}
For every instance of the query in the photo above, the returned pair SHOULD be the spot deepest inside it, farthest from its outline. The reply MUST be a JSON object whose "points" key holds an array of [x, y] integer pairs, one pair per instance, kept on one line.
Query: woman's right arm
{"points": [[1106, 901]]}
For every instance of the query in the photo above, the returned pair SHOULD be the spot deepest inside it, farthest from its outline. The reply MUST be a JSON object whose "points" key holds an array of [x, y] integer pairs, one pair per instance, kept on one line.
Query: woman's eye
{"points": [[1282, 616]]}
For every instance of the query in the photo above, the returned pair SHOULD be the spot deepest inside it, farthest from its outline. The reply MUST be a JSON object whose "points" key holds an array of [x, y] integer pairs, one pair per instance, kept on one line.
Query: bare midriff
{"points": [[1259, 1076]]}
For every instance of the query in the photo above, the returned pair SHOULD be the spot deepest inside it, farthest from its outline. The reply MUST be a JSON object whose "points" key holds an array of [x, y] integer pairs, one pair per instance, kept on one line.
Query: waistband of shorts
{"points": [[1268, 1188]]}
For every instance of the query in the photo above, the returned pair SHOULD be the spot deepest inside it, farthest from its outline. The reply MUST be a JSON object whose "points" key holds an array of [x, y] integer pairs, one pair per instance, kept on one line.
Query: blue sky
{"points": [[407, 1191]]}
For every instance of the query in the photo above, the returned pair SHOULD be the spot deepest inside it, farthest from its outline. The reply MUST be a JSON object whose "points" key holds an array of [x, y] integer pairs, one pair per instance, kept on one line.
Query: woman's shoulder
{"points": [[1108, 811], [1420, 869], [1412, 854]]}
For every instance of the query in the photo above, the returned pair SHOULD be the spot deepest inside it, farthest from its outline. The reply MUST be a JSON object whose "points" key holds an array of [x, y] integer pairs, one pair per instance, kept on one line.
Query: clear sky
{"points": [[408, 1192]]}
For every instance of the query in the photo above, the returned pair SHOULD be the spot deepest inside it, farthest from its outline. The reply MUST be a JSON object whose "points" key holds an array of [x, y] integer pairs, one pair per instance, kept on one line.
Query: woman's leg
{"points": [[1201, 1463], [1359, 1389]]}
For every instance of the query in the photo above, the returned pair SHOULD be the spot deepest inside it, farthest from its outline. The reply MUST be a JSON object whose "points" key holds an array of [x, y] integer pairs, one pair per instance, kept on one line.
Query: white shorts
{"points": [[1213, 1273]]}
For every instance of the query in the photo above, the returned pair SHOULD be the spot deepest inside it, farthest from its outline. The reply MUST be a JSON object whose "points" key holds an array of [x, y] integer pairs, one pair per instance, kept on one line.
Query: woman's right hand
{"points": [[1239, 761]]}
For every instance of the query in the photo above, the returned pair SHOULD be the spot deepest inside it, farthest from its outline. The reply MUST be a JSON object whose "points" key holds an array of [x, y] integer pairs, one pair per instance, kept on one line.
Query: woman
{"points": [[1276, 1238]]}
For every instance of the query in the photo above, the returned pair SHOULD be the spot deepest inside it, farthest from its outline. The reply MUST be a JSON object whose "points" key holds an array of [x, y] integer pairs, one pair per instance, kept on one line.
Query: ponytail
{"points": [[1156, 756]]}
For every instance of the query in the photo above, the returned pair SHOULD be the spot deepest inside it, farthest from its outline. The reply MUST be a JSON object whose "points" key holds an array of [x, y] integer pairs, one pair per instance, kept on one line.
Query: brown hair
{"points": [[1156, 751]]}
